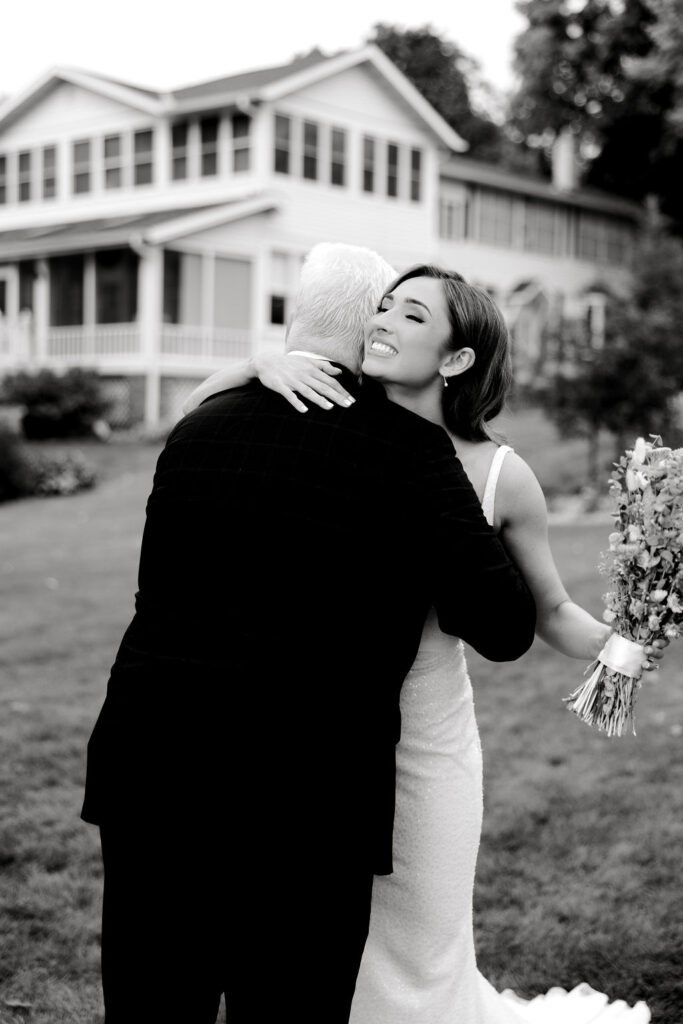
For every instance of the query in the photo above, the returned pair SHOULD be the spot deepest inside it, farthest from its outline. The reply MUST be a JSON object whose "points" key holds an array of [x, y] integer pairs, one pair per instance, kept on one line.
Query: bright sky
{"points": [[164, 43]]}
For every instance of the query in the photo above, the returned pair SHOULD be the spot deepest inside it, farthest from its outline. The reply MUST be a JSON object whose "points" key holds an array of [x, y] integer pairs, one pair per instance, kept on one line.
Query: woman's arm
{"points": [[563, 625], [288, 375]]}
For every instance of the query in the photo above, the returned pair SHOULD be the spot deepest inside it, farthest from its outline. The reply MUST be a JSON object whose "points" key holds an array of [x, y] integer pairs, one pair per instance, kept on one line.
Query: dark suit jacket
{"points": [[288, 563]]}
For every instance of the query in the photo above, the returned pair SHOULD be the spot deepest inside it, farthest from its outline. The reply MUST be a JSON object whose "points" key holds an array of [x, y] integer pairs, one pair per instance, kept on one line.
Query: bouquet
{"points": [[645, 570]]}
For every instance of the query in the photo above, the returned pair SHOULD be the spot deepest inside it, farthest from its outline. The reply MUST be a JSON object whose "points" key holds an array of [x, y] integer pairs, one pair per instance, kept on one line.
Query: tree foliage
{"points": [[631, 385], [578, 66]]}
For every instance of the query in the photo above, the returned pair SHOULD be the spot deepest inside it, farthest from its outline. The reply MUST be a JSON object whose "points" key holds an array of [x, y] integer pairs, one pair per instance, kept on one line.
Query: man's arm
{"points": [[479, 593]]}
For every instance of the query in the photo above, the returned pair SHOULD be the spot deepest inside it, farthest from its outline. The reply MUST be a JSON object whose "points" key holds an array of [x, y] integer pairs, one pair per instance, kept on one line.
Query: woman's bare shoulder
{"points": [[519, 493]]}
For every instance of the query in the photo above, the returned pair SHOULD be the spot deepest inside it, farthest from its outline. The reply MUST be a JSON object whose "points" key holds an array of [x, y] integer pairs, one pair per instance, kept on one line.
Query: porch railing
{"points": [[93, 342], [182, 341]]}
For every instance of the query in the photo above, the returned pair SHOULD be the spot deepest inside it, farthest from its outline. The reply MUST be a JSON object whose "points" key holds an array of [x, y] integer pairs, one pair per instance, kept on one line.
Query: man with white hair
{"points": [[242, 767]]}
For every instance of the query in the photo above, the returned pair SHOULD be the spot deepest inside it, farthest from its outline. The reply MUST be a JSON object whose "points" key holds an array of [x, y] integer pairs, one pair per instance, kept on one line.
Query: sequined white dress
{"points": [[419, 963]]}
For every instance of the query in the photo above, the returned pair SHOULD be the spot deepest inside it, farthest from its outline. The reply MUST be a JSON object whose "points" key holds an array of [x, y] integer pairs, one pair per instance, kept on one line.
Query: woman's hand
{"points": [[312, 379], [655, 652]]}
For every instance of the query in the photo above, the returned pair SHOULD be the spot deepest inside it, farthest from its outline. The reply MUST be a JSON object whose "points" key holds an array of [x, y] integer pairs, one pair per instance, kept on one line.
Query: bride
{"points": [[440, 347]]}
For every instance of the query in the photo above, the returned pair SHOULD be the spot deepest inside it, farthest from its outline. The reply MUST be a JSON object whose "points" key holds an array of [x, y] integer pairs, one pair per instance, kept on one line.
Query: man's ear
{"points": [[457, 362]]}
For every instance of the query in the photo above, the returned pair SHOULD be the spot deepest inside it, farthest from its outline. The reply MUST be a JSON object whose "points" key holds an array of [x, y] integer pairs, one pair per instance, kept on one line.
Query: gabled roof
{"points": [[122, 92], [250, 87]]}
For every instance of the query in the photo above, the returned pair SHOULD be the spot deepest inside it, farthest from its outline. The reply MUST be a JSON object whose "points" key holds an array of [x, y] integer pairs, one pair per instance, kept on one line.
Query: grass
{"points": [[579, 871]]}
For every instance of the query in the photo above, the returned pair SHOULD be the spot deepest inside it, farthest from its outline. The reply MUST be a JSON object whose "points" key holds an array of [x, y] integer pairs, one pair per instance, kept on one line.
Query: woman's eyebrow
{"points": [[416, 302]]}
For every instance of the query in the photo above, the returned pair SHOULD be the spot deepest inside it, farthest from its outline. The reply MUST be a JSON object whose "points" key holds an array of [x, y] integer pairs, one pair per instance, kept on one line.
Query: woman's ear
{"points": [[457, 362]]}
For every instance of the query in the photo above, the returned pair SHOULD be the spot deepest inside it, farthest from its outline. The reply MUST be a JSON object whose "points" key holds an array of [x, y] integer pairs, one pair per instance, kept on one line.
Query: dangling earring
{"points": [[445, 380]]}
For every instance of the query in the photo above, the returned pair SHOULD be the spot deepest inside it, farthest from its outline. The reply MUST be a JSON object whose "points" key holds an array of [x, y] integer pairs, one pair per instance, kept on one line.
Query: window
{"points": [[453, 217], [66, 290], [415, 174], [49, 172], [338, 157], [495, 224], [81, 159], [179, 151], [143, 146], [24, 177], [277, 309], [3, 179], [368, 164], [619, 239], [116, 286], [282, 143], [591, 237], [113, 170], [27, 276], [310, 160], [392, 169], [540, 233], [241, 142], [208, 130], [284, 276]]}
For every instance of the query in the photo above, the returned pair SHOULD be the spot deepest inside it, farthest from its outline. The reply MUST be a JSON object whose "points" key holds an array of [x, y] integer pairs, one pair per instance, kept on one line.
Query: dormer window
{"points": [[282, 143], [143, 147], [208, 127], [241, 127], [310, 156], [392, 170], [338, 157], [368, 164], [49, 172], [81, 166], [113, 170], [24, 177], [179, 151], [415, 174]]}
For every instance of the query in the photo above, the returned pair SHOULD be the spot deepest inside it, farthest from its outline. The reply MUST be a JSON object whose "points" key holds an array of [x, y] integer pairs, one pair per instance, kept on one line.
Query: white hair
{"points": [[339, 290]]}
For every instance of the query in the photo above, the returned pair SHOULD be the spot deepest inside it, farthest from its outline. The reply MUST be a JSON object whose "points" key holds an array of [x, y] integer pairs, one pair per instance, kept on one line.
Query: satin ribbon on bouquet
{"points": [[605, 699]]}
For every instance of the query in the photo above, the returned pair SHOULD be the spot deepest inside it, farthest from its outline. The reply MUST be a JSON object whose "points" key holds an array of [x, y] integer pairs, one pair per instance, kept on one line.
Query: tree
{"points": [[442, 73], [575, 64], [630, 386]]}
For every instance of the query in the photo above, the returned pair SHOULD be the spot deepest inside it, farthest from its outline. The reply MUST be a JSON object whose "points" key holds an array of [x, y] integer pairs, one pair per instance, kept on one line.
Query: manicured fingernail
{"points": [[349, 401]]}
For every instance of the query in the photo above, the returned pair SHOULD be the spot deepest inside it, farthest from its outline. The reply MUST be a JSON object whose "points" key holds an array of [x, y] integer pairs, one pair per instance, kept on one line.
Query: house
{"points": [[155, 235]]}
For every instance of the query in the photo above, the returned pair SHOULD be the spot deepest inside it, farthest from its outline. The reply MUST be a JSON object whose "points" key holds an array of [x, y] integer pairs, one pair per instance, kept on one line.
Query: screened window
{"points": [[310, 154], [338, 157], [392, 169], [81, 166], [179, 151], [368, 164], [495, 219], [283, 143], [143, 147], [415, 174], [66, 290], [3, 179], [277, 309], [24, 177], [241, 142], [453, 218], [208, 130], [49, 172], [591, 237], [113, 164], [541, 229]]}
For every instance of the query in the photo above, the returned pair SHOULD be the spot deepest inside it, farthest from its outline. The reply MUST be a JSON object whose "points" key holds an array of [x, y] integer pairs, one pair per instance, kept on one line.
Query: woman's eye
{"points": [[410, 316]]}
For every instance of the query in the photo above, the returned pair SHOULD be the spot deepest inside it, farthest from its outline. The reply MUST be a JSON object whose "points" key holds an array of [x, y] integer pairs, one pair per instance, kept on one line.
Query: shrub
{"points": [[62, 474], [16, 468], [23, 473], [57, 405]]}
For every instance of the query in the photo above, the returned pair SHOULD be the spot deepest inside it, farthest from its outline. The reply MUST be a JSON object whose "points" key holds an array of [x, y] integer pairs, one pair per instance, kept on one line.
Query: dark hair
{"points": [[477, 395]]}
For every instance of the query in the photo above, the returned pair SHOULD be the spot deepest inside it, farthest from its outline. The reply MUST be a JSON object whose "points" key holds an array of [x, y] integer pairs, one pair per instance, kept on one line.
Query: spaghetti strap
{"points": [[489, 499]]}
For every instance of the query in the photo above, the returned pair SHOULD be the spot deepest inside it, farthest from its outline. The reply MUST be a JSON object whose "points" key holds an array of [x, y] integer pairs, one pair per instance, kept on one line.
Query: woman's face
{"points": [[406, 341]]}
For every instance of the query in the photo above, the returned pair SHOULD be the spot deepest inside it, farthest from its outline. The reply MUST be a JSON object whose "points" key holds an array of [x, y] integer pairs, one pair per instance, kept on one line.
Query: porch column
{"points": [[41, 311], [150, 298], [89, 304]]}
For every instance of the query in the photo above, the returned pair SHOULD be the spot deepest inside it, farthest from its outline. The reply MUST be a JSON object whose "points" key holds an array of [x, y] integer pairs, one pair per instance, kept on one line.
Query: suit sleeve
{"points": [[478, 593]]}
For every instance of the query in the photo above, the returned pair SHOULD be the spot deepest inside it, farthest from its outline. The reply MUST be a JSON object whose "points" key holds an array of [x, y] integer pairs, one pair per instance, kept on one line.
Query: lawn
{"points": [[579, 872]]}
